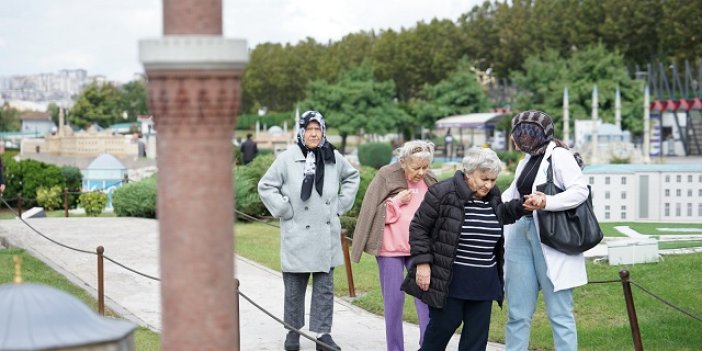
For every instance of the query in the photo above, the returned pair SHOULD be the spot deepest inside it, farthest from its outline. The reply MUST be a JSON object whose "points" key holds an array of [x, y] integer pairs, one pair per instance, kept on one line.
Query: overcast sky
{"points": [[101, 35]]}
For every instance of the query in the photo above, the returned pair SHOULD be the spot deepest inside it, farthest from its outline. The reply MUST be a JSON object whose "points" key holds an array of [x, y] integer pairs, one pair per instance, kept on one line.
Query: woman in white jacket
{"points": [[531, 266]]}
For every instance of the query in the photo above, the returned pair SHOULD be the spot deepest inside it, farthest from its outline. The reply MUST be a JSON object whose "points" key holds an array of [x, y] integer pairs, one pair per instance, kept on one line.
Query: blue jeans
{"points": [[525, 275]]}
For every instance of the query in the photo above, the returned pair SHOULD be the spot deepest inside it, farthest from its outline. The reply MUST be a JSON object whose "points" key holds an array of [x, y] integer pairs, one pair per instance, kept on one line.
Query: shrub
{"points": [[348, 223], [74, 182], [510, 158], [367, 175], [136, 199], [503, 181], [93, 202], [246, 180], [375, 155], [50, 198], [27, 176]]}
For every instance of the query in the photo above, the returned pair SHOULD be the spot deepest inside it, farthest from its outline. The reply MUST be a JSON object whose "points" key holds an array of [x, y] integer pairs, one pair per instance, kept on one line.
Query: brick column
{"points": [[193, 84]]}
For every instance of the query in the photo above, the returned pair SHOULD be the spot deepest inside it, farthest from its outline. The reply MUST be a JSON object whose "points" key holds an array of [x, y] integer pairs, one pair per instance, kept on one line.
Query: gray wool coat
{"points": [[310, 230]]}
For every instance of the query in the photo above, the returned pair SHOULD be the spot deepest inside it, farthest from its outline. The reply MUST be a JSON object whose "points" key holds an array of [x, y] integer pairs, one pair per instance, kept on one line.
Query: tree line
{"points": [[519, 54], [496, 36]]}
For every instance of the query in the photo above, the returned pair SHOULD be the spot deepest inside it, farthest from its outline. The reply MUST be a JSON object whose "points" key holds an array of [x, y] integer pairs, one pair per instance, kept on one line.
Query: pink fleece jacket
{"points": [[397, 221]]}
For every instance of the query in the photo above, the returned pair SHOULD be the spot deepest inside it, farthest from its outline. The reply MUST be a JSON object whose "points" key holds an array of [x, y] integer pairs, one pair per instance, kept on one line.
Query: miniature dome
{"points": [[38, 317], [106, 161]]}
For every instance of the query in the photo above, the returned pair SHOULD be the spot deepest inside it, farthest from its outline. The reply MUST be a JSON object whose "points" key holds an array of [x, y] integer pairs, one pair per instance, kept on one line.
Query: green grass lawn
{"points": [[35, 271], [600, 309]]}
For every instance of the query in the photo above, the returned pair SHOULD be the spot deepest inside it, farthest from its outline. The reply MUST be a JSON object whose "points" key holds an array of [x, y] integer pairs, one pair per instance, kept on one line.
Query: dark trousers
{"points": [[322, 303], [475, 316]]}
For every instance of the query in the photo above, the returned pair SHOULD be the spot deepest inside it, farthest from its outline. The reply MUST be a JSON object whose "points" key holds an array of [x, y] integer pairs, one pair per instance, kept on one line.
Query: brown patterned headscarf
{"points": [[533, 130]]}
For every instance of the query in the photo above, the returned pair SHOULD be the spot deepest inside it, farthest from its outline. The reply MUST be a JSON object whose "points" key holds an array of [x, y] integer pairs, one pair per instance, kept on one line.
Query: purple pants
{"points": [[392, 273]]}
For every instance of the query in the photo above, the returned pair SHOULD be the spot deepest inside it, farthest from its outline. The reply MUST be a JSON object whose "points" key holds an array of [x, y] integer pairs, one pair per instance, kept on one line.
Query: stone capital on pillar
{"points": [[194, 82], [194, 94]]}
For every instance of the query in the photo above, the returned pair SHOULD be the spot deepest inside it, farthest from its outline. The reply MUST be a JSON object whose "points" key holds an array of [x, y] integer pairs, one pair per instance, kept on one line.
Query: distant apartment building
{"points": [[44, 88], [646, 192]]}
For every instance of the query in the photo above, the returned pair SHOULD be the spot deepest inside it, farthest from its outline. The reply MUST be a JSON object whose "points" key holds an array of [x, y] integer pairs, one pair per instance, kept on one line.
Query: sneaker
{"points": [[327, 339], [292, 341]]}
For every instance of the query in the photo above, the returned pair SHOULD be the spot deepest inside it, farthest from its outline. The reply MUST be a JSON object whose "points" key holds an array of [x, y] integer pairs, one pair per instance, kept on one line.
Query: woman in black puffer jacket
{"points": [[457, 251]]}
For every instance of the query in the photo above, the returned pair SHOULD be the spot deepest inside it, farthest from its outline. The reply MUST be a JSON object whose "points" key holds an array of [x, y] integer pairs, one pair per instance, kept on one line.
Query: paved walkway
{"points": [[134, 243]]}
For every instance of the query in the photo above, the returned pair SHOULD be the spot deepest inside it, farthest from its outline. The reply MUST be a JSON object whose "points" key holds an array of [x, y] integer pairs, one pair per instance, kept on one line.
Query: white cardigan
{"points": [[565, 271]]}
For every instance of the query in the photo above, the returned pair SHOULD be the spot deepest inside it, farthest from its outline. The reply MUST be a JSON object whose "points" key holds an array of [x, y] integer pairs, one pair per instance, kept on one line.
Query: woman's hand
{"points": [[535, 201], [423, 276], [403, 197]]}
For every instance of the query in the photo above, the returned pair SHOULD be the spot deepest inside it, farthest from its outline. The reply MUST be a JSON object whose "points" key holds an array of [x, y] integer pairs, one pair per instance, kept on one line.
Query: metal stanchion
{"points": [[631, 310], [347, 262], [65, 202], [101, 281]]}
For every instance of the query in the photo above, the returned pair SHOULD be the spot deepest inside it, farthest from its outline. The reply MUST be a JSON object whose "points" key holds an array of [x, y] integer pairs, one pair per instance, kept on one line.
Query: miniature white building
{"points": [[646, 192]]}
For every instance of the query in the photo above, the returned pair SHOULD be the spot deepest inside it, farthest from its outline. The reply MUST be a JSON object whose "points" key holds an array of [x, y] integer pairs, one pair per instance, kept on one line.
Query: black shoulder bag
{"points": [[571, 231]]}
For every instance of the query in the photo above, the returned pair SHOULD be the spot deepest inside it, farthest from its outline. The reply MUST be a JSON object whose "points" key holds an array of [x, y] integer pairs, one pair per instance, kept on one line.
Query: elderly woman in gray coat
{"points": [[308, 187]]}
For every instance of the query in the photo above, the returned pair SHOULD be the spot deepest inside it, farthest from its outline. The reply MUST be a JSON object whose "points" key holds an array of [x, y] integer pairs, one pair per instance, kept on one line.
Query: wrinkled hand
{"points": [[423, 276], [535, 201], [403, 197], [2, 188]]}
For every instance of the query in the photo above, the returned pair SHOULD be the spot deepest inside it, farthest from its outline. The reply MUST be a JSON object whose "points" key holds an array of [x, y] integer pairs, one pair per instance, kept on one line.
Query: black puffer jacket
{"points": [[435, 230]]}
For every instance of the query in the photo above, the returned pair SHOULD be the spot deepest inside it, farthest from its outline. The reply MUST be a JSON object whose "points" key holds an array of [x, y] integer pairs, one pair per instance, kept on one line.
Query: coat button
{"points": [[328, 222], [327, 202], [307, 227], [306, 208]]}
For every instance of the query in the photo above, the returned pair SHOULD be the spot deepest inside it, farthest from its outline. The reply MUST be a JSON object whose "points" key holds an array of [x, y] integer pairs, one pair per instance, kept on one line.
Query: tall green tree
{"points": [[133, 99], [97, 103], [277, 75], [545, 76], [356, 103], [460, 93], [9, 118], [351, 51]]}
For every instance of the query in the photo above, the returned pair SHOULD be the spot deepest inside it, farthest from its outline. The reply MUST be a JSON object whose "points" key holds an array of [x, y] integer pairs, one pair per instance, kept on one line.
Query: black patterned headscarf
{"points": [[533, 130], [315, 158]]}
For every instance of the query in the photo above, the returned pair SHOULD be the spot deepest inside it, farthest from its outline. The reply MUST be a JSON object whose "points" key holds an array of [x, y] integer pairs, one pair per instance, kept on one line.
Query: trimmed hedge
{"points": [[137, 199], [375, 155], [246, 179]]}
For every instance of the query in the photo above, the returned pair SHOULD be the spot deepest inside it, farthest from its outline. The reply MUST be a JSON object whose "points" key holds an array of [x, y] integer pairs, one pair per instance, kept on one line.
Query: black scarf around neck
{"points": [[322, 154]]}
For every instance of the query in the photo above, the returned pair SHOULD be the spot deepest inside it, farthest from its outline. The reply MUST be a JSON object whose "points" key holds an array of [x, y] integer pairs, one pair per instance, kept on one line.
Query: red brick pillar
{"points": [[193, 84]]}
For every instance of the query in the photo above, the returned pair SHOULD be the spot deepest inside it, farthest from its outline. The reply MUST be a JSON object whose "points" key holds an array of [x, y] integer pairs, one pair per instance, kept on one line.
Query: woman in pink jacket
{"points": [[382, 230]]}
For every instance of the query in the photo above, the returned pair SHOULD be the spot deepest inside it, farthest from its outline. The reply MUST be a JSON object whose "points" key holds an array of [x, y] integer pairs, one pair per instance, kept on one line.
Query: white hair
{"points": [[483, 159], [416, 149]]}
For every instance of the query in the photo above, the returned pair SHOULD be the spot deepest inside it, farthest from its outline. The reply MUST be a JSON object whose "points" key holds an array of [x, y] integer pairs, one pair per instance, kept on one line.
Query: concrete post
{"points": [[647, 126], [194, 91], [595, 118], [566, 117]]}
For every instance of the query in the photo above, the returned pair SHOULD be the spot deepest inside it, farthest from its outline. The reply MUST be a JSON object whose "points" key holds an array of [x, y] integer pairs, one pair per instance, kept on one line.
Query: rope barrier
{"points": [[252, 218], [41, 234], [679, 309], [604, 281], [286, 325]]}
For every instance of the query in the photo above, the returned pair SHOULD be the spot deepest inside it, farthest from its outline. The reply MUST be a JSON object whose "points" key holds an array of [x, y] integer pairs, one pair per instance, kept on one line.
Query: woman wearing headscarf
{"points": [[530, 265], [382, 230], [457, 251], [308, 187]]}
